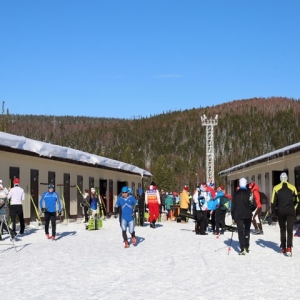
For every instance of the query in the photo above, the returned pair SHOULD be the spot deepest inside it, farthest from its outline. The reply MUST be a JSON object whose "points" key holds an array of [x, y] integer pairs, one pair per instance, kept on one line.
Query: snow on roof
{"points": [[268, 156], [50, 150]]}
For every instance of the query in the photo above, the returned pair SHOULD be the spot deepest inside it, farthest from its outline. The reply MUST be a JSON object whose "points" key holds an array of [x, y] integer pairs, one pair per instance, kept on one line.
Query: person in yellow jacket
{"points": [[283, 206], [184, 202]]}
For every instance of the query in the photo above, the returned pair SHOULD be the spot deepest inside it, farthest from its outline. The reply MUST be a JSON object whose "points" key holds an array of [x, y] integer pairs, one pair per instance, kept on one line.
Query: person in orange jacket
{"points": [[256, 222]]}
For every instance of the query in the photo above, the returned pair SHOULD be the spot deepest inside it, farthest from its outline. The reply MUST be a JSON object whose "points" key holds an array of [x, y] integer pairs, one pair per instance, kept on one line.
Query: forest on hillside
{"points": [[172, 146]]}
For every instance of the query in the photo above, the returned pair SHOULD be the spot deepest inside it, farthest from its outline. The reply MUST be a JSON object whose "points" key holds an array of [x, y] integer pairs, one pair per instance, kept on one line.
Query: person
{"points": [[126, 205], [242, 215], [4, 212], [86, 205], [184, 202], [256, 222], [152, 199], [141, 205], [282, 206], [48, 205], [3, 200], [16, 196], [200, 211], [222, 203], [94, 203], [162, 200], [168, 203]]}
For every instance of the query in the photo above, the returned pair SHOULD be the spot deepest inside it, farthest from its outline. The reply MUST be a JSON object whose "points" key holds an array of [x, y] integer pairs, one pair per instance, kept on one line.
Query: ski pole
{"points": [[267, 213]]}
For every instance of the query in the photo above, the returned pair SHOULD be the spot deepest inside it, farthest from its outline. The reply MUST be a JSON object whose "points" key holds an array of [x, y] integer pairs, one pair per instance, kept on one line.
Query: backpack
{"points": [[263, 198], [252, 202], [224, 203]]}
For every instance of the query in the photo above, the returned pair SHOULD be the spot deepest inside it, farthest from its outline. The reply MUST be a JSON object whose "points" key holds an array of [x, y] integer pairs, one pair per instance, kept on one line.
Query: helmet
{"points": [[51, 186], [283, 176], [124, 189]]}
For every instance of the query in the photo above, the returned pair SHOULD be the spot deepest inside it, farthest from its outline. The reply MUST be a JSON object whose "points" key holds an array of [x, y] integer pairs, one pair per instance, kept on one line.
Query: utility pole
{"points": [[210, 150]]}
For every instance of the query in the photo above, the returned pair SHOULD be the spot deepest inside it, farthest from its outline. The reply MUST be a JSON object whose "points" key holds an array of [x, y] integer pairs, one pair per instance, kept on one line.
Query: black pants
{"points": [[141, 215], [201, 222], [220, 219], [243, 227], [286, 224], [17, 210], [85, 210], [50, 216], [184, 211]]}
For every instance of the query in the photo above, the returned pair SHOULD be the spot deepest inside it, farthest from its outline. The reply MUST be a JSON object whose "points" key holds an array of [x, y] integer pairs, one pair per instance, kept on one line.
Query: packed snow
{"points": [[168, 262]]}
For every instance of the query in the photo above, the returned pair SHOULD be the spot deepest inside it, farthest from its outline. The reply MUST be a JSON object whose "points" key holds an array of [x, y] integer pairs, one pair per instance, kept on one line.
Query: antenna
{"points": [[210, 150]]}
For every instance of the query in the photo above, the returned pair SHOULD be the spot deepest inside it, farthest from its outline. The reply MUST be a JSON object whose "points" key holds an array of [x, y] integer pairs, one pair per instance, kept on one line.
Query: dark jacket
{"points": [[240, 208], [283, 197]]}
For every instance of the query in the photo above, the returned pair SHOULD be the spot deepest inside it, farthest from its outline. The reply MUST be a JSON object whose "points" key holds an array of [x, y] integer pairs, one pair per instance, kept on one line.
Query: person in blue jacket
{"points": [[126, 204], [48, 203]]}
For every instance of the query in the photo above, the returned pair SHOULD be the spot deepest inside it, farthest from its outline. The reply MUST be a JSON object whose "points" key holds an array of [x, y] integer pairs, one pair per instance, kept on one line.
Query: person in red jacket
{"points": [[254, 188], [152, 199]]}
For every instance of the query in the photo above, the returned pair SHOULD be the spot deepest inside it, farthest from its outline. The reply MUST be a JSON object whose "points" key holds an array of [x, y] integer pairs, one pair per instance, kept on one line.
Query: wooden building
{"points": [[37, 164]]}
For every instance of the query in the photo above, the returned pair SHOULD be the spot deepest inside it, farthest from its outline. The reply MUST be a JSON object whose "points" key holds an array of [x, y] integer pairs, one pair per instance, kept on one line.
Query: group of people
{"points": [[284, 203]]}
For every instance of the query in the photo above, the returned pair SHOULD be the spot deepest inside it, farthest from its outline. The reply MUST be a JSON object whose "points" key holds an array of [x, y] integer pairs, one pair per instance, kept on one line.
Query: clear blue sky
{"points": [[122, 59]]}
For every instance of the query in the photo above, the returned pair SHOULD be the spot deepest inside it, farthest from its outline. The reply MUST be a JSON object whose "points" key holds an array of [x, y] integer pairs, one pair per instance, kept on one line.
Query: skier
{"points": [[4, 211], [86, 204], [200, 211], [141, 205], [242, 215], [283, 207], [152, 199], [184, 202], [125, 204], [94, 203], [253, 188], [17, 196], [48, 203]]}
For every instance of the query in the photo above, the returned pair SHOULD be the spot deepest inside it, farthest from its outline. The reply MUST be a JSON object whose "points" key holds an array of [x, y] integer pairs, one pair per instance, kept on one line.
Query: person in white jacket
{"points": [[17, 196]]}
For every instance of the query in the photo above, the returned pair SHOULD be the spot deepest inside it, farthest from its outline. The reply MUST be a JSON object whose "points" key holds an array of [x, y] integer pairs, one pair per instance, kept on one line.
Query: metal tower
{"points": [[210, 152]]}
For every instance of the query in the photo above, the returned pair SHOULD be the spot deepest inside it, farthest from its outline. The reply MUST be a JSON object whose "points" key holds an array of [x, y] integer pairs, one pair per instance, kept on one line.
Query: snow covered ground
{"points": [[169, 262]]}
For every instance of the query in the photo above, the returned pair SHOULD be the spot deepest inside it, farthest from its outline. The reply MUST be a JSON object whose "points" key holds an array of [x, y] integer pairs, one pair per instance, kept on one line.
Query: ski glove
{"points": [[43, 210], [59, 212]]}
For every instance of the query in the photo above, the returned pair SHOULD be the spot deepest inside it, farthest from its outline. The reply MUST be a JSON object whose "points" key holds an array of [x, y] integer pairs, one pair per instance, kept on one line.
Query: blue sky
{"points": [[124, 59]]}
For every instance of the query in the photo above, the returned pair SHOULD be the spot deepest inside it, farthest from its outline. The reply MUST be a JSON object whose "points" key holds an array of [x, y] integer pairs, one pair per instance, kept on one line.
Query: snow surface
{"points": [[169, 262], [50, 150]]}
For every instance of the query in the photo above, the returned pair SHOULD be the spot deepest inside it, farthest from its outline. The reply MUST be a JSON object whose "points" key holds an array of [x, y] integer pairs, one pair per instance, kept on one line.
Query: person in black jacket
{"points": [[242, 215], [283, 206], [141, 205]]}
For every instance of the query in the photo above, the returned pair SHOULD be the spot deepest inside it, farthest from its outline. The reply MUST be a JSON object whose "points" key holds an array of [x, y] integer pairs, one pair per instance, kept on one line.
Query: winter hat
{"points": [[186, 188], [16, 181], [51, 186], [167, 193], [124, 189], [93, 190], [283, 176], [243, 182]]}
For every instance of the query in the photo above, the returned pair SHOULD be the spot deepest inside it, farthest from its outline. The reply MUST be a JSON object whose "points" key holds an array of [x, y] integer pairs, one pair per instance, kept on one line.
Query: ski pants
{"points": [[153, 211], [243, 228], [17, 210], [141, 215], [220, 219], [184, 211], [124, 225], [50, 216], [86, 216], [201, 221], [286, 224]]}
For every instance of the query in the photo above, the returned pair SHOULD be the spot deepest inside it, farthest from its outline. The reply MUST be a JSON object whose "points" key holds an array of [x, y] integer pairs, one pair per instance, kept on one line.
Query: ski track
{"points": [[167, 262]]}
